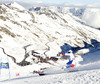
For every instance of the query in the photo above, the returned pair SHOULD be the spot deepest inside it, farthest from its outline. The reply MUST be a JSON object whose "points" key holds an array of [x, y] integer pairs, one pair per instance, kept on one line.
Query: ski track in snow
{"points": [[72, 78], [88, 74]]}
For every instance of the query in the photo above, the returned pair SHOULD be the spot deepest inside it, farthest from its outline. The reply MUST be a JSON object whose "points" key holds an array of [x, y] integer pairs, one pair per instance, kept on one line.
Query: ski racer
{"points": [[40, 72], [71, 58]]}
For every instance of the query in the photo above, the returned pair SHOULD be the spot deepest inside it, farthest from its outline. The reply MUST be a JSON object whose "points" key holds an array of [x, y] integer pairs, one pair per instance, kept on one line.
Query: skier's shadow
{"points": [[89, 57]]}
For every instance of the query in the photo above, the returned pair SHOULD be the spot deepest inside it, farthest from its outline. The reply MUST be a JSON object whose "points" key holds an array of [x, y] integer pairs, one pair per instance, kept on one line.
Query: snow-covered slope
{"points": [[46, 30], [15, 5], [89, 72], [89, 13], [22, 27]]}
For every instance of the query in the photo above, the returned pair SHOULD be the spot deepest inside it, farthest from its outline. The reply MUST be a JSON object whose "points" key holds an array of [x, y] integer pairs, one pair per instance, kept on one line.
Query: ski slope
{"points": [[89, 73], [40, 28]]}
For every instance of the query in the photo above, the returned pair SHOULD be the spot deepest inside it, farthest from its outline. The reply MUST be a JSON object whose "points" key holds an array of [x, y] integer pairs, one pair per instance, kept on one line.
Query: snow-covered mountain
{"points": [[45, 32], [20, 27], [88, 13]]}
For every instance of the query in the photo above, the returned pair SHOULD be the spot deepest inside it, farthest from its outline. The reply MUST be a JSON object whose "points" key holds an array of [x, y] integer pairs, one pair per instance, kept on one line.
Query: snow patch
{"points": [[16, 5]]}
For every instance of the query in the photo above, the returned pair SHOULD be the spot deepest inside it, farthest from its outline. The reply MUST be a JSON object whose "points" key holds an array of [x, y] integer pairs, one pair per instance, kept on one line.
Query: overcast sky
{"points": [[56, 1], [30, 3]]}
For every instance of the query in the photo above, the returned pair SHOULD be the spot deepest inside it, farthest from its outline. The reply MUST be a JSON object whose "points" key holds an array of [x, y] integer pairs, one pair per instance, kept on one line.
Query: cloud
{"points": [[40, 1], [6, 1], [31, 3], [28, 3], [92, 17]]}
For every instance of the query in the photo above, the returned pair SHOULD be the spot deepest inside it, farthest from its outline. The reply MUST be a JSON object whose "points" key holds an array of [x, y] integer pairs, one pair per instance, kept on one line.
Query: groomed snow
{"points": [[89, 73]]}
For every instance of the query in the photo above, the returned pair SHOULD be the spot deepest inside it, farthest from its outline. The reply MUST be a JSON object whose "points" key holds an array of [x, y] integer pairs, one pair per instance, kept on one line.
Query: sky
{"points": [[69, 1], [56, 1], [30, 3]]}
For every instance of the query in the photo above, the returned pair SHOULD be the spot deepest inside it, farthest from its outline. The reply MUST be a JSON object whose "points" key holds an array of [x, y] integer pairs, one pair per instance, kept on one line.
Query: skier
{"points": [[71, 58], [40, 72]]}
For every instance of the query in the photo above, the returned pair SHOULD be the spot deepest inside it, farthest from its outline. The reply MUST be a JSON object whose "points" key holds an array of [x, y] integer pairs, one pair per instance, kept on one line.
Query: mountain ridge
{"points": [[22, 27]]}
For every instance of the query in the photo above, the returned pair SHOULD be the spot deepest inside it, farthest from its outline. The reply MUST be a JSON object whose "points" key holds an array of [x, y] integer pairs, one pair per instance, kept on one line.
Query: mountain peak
{"points": [[16, 5]]}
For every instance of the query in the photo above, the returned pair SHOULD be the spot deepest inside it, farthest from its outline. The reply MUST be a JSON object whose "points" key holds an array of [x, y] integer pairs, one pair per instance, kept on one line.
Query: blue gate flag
{"points": [[4, 65]]}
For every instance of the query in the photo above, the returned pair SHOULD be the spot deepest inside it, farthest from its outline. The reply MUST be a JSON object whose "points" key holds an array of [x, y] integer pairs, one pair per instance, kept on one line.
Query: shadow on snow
{"points": [[93, 46], [25, 77], [92, 56]]}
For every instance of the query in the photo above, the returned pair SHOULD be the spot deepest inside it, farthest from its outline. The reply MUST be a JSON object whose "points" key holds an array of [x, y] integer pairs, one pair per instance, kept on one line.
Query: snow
{"points": [[91, 16], [90, 13], [16, 5], [55, 29], [89, 72]]}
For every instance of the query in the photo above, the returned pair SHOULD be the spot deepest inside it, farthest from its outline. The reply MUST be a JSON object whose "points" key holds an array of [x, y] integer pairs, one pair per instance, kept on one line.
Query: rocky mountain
{"points": [[88, 13], [44, 31]]}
